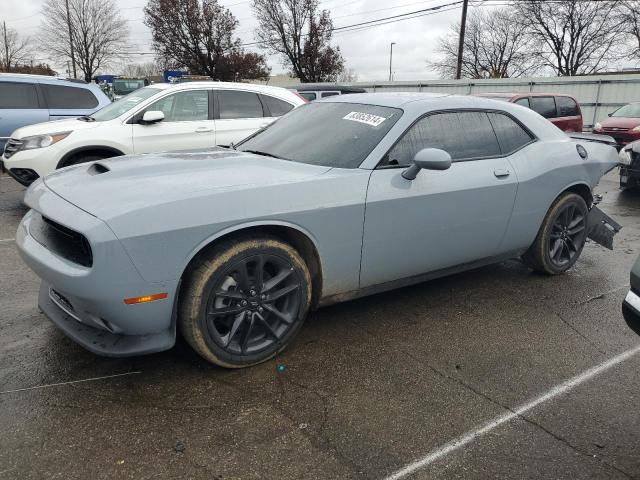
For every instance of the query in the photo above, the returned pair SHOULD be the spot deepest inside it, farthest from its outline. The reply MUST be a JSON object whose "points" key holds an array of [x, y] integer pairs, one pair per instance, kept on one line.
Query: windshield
{"points": [[123, 87], [628, 111], [330, 134], [123, 105]]}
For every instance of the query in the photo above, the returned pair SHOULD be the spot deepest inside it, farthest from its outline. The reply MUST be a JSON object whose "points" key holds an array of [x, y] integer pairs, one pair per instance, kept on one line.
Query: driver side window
{"points": [[186, 106], [464, 135]]}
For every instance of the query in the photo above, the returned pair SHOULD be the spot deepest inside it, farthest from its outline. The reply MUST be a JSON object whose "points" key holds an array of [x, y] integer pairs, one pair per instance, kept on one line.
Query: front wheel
{"points": [[245, 301], [561, 237]]}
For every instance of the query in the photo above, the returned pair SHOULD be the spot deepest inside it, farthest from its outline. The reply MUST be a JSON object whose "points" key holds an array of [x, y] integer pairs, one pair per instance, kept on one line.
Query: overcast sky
{"points": [[365, 51]]}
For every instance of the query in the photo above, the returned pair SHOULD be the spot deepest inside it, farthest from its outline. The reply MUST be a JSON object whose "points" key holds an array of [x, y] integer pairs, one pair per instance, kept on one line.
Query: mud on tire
{"points": [[244, 300]]}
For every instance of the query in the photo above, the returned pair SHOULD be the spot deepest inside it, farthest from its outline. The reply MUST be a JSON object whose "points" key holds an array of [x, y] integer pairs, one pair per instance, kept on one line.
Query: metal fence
{"points": [[598, 95]]}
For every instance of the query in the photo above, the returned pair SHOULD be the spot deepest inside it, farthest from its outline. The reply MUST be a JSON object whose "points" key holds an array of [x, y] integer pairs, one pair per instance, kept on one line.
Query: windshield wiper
{"points": [[266, 154], [87, 118]]}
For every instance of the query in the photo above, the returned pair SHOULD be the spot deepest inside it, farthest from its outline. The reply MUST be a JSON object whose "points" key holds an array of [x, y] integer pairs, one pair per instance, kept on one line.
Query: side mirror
{"points": [[428, 159], [152, 116]]}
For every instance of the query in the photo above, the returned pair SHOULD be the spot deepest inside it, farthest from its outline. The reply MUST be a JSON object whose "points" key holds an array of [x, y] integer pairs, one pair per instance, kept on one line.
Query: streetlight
{"points": [[391, 60]]}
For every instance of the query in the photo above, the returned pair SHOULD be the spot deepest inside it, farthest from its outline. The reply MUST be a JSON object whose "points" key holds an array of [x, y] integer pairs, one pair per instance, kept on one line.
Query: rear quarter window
{"points": [[511, 135], [14, 95], [68, 98], [567, 107], [276, 107]]}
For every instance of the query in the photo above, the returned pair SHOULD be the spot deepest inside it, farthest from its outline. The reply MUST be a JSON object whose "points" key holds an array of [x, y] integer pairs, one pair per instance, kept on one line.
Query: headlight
{"points": [[636, 129], [40, 141], [598, 126], [624, 157]]}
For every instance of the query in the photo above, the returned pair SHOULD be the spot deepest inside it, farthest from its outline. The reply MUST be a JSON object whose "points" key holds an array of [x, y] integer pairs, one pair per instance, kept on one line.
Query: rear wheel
{"points": [[561, 237], [245, 301]]}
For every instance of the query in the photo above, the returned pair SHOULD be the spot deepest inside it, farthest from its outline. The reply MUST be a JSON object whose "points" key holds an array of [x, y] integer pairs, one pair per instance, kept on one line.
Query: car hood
{"points": [[55, 126], [620, 122], [108, 188]]}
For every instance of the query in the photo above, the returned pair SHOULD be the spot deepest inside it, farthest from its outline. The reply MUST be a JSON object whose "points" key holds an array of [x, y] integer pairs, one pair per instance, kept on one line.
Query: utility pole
{"points": [[6, 45], [463, 24], [73, 60], [391, 61]]}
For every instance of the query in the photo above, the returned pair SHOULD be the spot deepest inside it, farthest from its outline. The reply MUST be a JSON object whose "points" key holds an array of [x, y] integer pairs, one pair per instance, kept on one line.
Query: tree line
{"points": [[197, 35], [526, 37]]}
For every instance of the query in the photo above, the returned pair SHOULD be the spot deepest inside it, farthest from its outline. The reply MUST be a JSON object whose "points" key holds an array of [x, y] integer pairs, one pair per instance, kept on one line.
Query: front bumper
{"points": [[26, 166], [99, 341], [631, 311], [88, 304]]}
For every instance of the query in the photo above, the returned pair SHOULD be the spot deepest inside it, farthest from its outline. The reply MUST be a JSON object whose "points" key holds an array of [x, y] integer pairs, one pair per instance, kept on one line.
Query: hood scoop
{"points": [[98, 168]]}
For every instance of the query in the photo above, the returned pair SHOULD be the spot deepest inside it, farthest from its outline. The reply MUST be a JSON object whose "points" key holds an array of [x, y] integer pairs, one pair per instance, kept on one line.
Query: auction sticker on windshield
{"points": [[367, 118]]}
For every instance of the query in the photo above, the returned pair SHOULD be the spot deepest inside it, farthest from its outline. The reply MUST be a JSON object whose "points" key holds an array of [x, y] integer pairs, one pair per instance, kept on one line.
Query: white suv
{"points": [[155, 118]]}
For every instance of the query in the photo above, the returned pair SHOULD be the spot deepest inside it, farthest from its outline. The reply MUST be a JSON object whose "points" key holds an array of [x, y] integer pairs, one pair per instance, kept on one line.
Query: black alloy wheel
{"points": [[567, 235], [254, 304]]}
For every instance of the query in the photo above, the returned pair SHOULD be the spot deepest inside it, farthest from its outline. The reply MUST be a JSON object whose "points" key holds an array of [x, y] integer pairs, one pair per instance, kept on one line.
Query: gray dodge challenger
{"points": [[338, 199]]}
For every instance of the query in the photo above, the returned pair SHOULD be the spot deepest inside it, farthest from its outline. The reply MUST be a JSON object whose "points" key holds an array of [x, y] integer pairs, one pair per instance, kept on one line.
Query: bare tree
{"points": [[199, 35], [574, 37], [631, 20], [98, 32], [348, 75], [301, 34], [140, 70], [494, 47], [14, 49]]}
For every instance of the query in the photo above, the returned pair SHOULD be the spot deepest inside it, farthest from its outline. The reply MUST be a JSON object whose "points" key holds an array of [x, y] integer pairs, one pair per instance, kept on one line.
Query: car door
{"points": [[187, 124], [64, 101], [239, 114], [20, 105], [569, 114], [442, 218]]}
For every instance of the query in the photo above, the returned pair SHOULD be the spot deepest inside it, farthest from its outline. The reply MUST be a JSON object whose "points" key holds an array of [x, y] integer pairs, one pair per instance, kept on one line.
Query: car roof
{"points": [[323, 87], [219, 85], [521, 94], [391, 99], [41, 79]]}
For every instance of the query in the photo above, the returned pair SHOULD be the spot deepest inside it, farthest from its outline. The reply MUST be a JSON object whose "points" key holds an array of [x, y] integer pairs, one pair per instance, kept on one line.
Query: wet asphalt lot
{"points": [[367, 388]]}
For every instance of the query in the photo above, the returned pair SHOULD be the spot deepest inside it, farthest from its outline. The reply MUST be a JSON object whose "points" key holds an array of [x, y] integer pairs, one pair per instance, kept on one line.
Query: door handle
{"points": [[203, 130], [501, 173]]}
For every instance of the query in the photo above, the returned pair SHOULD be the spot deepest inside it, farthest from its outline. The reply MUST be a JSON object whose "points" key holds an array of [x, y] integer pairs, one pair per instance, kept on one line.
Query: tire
{"points": [[561, 237], [234, 318]]}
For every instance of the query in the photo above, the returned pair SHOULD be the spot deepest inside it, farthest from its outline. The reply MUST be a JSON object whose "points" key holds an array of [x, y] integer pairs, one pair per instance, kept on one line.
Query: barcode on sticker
{"points": [[373, 120]]}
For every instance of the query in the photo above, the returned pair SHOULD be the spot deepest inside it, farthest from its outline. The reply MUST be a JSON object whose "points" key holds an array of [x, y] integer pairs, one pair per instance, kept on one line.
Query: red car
{"points": [[623, 125], [561, 110]]}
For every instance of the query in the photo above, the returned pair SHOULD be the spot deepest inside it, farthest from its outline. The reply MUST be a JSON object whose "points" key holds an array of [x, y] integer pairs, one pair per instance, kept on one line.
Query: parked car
{"points": [[28, 99], [316, 91], [124, 86], [629, 160], [631, 303], [233, 247], [623, 124], [561, 110], [160, 117]]}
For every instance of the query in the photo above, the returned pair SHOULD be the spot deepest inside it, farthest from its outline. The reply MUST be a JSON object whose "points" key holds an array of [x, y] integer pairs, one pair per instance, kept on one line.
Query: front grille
{"points": [[11, 147], [62, 241]]}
